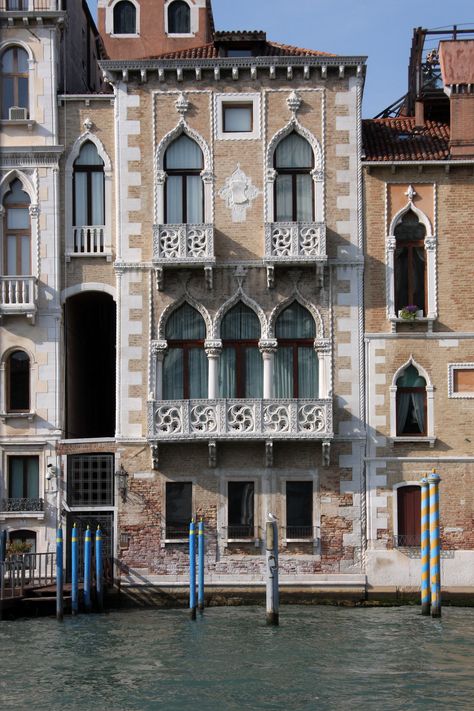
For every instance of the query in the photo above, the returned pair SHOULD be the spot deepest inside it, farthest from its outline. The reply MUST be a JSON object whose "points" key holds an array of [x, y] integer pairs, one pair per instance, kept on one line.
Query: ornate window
{"points": [[18, 382], [411, 403], [17, 231], [125, 18], [179, 18], [294, 162], [14, 82], [185, 369], [410, 263], [296, 362], [241, 365], [88, 178], [184, 194]]}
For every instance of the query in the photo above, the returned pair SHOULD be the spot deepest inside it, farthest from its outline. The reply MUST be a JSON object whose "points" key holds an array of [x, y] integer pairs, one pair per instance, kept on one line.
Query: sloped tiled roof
{"points": [[393, 139], [270, 49]]}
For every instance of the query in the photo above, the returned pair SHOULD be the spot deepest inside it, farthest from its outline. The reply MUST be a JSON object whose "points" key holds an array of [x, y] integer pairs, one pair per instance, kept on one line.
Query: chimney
{"points": [[419, 114], [457, 68]]}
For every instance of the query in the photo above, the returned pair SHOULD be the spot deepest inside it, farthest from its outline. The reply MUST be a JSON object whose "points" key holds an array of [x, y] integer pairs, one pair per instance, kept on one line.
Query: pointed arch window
{"points": [[185, 370], [125, 18], [241, 365], [294, 191], [14, 82], [296, 362], [18, 382], [179, 18], [88, 178], [184, 194], [411, 403], [410, 263], [17, 231]]}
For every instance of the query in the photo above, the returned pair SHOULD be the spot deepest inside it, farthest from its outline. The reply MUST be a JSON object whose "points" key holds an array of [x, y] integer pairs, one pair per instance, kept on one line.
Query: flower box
{"points": [[410, 313]]}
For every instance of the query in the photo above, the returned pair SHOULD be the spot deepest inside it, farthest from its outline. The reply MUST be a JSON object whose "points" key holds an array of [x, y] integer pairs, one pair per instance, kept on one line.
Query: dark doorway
{"points": [[409, 515], [82, 519], [90, 365]]}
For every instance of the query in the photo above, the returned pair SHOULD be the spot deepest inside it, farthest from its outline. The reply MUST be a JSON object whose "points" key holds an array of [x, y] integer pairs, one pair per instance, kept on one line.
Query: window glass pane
{"points": [[179, 19], [11, 255], [22, 59], [283, 374], [410, 228], [194, 199], [295, 322], [32, 474], [184, 153], [253, 373], [307, 372], [294, 152], [16, 195], [411, 413], [240, 323], [227, 373], [88, 155], [239, 53], [185, 324], [90, 480], [25, 267], [28, 537], [304, 198], [240, 509], [198, 373], [18, 218], [401, 278], [174, 199], [178, 509], [16, 489], [284, 198], [173, 376], [80, 199], [97, 198], [410, 378], [124, 18], [19, 383], [7, 95], [7, 61], [238, 118], [299, 508], [23, 92], [418, 256]]}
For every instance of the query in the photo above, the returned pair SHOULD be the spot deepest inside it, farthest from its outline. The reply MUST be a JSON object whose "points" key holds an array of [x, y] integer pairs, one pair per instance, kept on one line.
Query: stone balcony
{"points": [[89, 241], [184, 245], [30, 5], [234, 420], [293, 243], [18, 296]]}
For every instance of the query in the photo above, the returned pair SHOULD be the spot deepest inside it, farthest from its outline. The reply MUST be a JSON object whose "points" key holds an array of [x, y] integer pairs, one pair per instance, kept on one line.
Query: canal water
{"points": [[229, 660]]}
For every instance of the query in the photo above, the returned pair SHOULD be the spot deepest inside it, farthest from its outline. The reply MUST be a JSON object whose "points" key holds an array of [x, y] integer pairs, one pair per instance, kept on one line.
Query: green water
{"points": [[229, 660]]}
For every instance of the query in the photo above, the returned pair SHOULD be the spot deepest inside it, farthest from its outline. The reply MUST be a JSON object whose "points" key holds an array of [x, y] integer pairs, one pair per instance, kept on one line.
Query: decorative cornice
{"points": [[29, 157]]}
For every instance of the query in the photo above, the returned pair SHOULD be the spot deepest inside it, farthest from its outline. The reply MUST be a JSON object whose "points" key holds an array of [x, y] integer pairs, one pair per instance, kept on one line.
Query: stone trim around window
{"points": [[221, 100], [109, 20], [456, 394], [429, 438]]}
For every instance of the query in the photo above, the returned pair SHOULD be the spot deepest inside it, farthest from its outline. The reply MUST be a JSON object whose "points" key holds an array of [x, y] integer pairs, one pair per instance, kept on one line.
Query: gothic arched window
{"points": [[179, 18], [185, 371], [411, 403], [18, 382], [241, 364], [184, 195], [125, 18], [89, 203], [410, 263], [296, 362], [293, 162], [14, 81], [17, 231]]}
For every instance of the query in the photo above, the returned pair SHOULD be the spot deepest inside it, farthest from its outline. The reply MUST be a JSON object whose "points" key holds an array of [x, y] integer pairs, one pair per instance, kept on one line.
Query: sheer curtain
{"points": [[284, 198], [294, 326], [198, 373], [239, 325], [283, 372], [179, 19], [307, 372], [185, 323], [411, 405], [294, 152], [228, 373], [184, 187], [186, 360], [80, 198], [173, 374], [253, 373]]}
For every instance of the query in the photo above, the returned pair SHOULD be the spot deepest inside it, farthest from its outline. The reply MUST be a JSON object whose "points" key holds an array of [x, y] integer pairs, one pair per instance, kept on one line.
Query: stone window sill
{"points": [[414, 440], [17, 416], [18, 122]]}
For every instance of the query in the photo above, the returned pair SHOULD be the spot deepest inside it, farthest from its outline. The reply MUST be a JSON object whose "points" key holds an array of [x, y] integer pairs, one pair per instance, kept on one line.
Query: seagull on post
{"points": [[271, 516]]}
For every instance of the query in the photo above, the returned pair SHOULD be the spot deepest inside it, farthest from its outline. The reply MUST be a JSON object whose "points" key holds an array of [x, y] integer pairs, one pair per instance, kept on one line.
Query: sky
{"points": [[379, 29]]}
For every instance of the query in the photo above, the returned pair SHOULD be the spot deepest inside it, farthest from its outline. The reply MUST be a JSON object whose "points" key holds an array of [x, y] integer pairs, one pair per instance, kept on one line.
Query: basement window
{"points": [[179, 505]]}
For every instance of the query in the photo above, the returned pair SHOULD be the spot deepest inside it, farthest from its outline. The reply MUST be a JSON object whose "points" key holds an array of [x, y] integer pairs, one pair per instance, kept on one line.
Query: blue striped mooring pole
{"points": [[425, 548], [201, 566], [192, 569], [435, 569], [87, 570], [99, 582], [74, 572], [59, 575]]}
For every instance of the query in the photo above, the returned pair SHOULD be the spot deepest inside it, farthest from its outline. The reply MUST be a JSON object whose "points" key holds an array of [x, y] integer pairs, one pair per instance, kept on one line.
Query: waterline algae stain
{"points": [[230, 660]]}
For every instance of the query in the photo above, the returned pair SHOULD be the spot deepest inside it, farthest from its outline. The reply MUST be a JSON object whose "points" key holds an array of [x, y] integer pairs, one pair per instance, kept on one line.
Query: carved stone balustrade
{"points": [[239, 419], [295, 242], [184, 245], [18, 295]]}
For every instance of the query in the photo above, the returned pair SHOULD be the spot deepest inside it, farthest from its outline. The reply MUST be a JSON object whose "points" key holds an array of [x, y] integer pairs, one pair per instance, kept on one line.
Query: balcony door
{"points": [[23, 478], [17, 231]]}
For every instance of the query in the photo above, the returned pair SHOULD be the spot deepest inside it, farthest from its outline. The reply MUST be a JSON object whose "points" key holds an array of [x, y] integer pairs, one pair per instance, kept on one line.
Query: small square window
{"points": [[239, 53], [461, 380], [237, 118]]}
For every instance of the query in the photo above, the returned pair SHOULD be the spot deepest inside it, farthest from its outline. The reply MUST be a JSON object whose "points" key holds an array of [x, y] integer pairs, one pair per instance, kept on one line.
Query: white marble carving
{"points": [[239, 193]]}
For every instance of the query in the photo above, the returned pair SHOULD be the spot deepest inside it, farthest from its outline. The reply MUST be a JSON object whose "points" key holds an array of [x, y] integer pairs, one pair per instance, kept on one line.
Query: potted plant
{"points": [[16, 549], [410, 313]]}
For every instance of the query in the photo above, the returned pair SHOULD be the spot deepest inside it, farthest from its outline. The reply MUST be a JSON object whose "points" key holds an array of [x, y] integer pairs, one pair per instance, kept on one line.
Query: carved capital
{"points": [[322, 345], [34, 211], [430, 244], [160, 176], [207, 176], [158, 348], [317, 175], [213, 348], [391, 244], [271, 175], [268, 345]]}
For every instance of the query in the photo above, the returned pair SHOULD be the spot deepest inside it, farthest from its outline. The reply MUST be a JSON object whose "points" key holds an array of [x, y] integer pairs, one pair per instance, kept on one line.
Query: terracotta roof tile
{"points": [[393, 139], [272, 49]]}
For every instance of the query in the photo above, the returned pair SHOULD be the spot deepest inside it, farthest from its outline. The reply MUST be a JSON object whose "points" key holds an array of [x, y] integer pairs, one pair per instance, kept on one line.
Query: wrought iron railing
{"points": [[407, 541], [295, 241], [240, 419], [177, 532], [299, 533], [17, 293], [241, 533], [22, 505], [186, 243]]}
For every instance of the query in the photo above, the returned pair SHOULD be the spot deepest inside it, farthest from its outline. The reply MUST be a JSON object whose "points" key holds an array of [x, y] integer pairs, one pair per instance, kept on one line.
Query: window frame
{"points": [[115, 8], [79, 501], [17, 233], [8, 384], [239, 345], [429, 435], [301, 538], [229, 99], [185, 346], [395, 512], [169, 31], [458, 394], [15, 76], [235, 105], [294, 172], [401, 390], [185, 533], [183, 173], [411, 245], [251, 537], [88, 170], [109, 20], [24, 458]]}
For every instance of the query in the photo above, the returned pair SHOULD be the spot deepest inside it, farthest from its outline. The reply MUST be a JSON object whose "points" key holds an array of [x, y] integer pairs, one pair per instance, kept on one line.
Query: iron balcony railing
{"points": [[242, 533], [183, 244], [299, 533], [23, 505], [289, 242], [240, 419], [407, 541], [177, 532]]}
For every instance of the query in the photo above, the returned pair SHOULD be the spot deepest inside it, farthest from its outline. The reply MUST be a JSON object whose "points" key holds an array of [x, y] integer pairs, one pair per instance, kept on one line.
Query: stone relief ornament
{"points": [[239, 193]]}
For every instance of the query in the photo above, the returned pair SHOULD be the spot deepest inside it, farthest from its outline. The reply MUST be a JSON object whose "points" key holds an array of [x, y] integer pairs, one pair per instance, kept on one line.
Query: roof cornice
{"points": [[231, 62]]}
